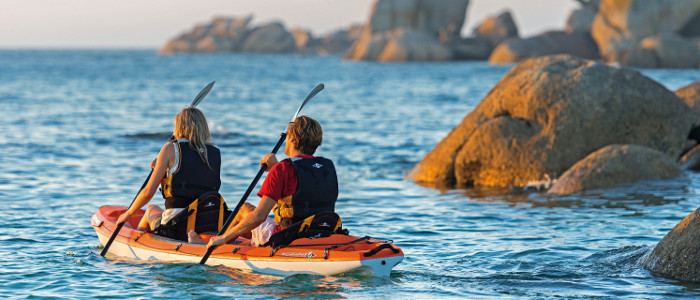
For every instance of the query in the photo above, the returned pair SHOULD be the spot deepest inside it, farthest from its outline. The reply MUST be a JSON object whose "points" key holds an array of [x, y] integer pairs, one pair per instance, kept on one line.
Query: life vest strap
{"points": [[322, 224]]}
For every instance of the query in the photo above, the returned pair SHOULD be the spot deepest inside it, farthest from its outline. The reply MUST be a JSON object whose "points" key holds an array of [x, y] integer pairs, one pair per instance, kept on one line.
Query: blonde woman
{"points": [[185, 168]]}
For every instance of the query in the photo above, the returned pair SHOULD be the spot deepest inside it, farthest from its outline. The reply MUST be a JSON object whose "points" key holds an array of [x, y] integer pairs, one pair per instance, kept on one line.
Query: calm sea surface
{"points": [[79, 129]]}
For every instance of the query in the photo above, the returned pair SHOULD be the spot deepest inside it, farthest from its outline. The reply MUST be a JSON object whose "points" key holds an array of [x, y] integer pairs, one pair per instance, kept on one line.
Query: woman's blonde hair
{"points": [[191, 124]]}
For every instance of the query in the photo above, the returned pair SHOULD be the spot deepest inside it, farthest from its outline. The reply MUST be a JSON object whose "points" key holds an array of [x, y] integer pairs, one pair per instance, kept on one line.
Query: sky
{"points": [[151, 23]]}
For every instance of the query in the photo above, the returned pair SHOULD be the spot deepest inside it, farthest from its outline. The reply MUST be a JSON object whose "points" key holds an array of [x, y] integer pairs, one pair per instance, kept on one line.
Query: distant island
{"points": [[635, 33]]}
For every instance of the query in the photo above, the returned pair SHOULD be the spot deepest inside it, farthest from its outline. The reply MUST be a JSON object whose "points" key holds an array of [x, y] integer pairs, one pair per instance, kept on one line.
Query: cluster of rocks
{"points": [[587, 124], [637, 33], [230, 34], [583, 122]]}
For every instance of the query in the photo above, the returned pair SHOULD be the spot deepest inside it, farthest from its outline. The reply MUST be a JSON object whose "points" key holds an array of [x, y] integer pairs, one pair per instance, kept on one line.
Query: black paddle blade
{"points": [[203, 93]]}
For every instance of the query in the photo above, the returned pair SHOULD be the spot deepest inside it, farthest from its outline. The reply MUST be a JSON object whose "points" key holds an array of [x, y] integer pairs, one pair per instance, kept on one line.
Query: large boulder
{"points": [[613, 165], [580, 20], [401, 24], [497, 29], [340, 40], [220, 35], [548, 113], [677, 255], [434, 17], [548, 43], [305, 41], [269, 38], [622, 24], [477, 48], [665, 50], [690, 94], [233, 35], [409, 45]]}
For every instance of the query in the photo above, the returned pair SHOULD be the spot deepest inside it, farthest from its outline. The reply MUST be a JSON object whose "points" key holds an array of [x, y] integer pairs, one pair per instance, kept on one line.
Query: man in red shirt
{"points": [[294, 188]]}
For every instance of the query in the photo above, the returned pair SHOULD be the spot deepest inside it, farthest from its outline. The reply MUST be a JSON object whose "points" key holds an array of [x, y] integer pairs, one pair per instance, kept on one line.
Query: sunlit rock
{"points": [[497, 29], [666, 50], [580, 20], [339, 40], [691, 96], [548, 43], [409, 29], [548, 113], [613, 165], [269, 38], [220, 35], [622, 24], [410, 45], [677, 255], [304, 40], [691, 159]]}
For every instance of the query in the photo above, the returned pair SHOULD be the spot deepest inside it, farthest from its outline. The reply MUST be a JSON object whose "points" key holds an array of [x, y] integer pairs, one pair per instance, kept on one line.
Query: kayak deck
{"points": [[331, 255]]}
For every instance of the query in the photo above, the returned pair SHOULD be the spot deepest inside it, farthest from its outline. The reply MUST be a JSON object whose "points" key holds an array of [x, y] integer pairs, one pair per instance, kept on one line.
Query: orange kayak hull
{"points": [[331, 255]]}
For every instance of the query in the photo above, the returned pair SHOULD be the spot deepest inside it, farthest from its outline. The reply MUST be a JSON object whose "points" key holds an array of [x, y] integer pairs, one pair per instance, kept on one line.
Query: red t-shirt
{"points": [[281, 181]]}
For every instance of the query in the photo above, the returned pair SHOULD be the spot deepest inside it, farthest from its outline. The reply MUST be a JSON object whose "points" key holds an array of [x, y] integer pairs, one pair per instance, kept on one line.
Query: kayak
{"points": [[331, 255]]}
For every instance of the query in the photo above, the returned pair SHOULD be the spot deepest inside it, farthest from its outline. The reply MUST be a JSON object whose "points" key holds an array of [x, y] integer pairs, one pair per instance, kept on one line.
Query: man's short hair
{"points": [[308, 134]]}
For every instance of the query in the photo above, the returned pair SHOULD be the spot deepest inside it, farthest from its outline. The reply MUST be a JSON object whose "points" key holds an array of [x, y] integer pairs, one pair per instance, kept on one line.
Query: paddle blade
{"points": [[203, 93], [313, 93]]}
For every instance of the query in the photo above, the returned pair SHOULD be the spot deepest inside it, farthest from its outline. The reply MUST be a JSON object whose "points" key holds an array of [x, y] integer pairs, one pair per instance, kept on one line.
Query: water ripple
{"points": [[81, 128]]}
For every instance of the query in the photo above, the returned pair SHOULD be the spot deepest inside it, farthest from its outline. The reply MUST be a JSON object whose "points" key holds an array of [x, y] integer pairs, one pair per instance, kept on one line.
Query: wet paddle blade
{"points": [[203, 93], [313, 93]]}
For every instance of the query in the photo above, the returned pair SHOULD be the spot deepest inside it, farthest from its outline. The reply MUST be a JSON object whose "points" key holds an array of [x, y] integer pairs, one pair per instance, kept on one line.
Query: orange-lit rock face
{"points": [[683, 224], [548, 113]]}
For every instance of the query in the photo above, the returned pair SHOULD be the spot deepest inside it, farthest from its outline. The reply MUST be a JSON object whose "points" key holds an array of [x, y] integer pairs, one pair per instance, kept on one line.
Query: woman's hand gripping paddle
{"points": [[203, 93], [230, 218]]}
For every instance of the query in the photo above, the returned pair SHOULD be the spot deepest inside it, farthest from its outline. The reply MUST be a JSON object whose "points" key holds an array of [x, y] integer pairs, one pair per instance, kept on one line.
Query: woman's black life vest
{"points": [[317, 191], [193, 177]]}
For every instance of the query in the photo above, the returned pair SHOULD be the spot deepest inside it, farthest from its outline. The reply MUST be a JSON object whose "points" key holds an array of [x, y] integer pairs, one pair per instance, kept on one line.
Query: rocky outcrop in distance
{"points": [[549, 113], [635, 33], [232, 34], [409, 30]]}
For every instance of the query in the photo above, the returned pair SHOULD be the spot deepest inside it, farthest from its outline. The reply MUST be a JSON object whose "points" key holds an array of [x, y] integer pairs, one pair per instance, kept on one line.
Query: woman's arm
{"points": [[165, 159]]}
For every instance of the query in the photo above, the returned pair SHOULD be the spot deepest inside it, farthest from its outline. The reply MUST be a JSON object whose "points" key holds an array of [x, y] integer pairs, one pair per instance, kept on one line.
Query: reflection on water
{"points": [[645, 193]]}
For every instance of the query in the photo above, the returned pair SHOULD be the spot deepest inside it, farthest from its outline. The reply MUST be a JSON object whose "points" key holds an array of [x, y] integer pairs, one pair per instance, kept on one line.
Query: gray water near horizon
{"points": [[80, 127]]}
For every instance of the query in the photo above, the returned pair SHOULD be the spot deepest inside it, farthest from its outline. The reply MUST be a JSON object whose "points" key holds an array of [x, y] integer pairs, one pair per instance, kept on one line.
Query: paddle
{"points": [[203, 93], [230, 218]]}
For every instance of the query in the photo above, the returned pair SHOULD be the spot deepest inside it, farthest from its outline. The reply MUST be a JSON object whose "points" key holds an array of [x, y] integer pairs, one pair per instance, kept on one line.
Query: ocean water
{"points": [[80, 127]]}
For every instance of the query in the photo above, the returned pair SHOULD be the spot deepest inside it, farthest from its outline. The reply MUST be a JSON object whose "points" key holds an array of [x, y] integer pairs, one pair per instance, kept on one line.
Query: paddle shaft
{"points": [[120, 225], [318, 88], [243, 199], [200, 96]]}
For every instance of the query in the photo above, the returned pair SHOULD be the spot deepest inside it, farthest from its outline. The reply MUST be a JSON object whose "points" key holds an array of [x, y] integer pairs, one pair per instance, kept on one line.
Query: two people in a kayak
{"points": [[294, 189]]}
